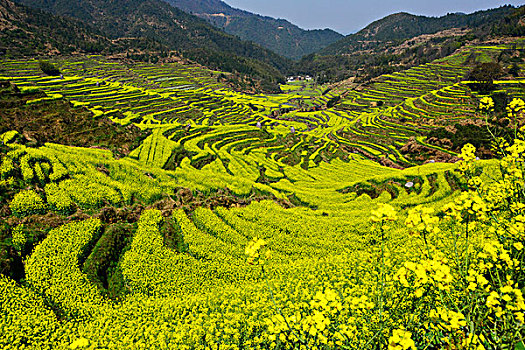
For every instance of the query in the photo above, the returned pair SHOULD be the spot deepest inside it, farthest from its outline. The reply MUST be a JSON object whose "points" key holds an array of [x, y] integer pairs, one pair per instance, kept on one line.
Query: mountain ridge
{"points": [[404, 25], [389, 44], [279, 35]]}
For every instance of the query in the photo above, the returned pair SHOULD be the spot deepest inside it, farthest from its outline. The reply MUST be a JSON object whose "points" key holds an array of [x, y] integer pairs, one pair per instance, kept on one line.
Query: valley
{"points": [[167, 204]]}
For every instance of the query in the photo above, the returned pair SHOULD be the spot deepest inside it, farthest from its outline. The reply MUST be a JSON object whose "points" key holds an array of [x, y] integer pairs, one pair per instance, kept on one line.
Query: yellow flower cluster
{"points": [[253, 250], [27, 202], [401, 340], [515, 108], [383, 214], [87, 193], [149, 267], [495, 255], [26, 322], [59, 171], [468, 156], [81, 343], [27, 171], [447, 319], [505, 301], [58, 199], [19, 238], [420, 219], [316, 324], [360, 304], [425, 275], [498, 146], [8, 136], [474, 342], [6, 167], [33, 165], [468, 207], [468, 153], [53, 268], [208, 221], [486, 104], [509, 299]]}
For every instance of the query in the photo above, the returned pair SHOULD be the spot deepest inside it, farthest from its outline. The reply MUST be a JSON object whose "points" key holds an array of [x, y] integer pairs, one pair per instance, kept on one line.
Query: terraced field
{"points": [[375, 122], [149, 250]]}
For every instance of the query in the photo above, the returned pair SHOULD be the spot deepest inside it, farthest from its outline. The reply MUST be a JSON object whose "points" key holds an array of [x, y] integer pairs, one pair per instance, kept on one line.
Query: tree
{"points": [[483, 75], [48, 68]]}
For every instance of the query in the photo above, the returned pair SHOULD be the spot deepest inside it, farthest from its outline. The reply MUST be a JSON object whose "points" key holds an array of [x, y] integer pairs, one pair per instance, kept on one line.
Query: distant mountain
{"points": [[278, 35], [188, 35], [400, 41], [208, 7]]}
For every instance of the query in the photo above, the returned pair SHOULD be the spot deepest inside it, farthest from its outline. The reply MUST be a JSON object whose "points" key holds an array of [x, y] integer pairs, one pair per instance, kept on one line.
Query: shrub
{"points": [[48, 68], [484, 75], [58, 199], [19, 238], [27, 202]]}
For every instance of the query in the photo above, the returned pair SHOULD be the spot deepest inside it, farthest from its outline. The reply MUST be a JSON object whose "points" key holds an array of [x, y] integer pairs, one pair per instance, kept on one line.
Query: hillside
{"points": [[278, 35], [152, 197], [512, 25], [186, 35], [148, 206], [400, 41], [57, 121], [402, 26], [26, 31]]}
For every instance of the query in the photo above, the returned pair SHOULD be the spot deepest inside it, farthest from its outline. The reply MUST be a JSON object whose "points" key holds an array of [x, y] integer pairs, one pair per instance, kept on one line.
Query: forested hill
{"points": [[190, 36], [511, 25], [401, 26], [278, 35], [26, 31], [402, 40]]}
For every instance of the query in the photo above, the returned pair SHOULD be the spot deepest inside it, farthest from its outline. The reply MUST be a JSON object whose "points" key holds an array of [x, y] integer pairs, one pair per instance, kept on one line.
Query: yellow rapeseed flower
{"points": [[79, 344], [252, 250], [384, 212], [421, 220], [474, 342], [486, 104], [401, 340], [515, 107]]}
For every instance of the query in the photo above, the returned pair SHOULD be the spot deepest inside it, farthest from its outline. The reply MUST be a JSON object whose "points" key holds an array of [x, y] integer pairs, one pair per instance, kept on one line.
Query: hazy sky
{"points": [[348, 16]]}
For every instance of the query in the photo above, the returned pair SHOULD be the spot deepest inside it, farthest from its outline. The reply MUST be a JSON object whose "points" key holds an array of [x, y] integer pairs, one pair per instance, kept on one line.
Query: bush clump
{"points": [[48, 68], [26, 203]]}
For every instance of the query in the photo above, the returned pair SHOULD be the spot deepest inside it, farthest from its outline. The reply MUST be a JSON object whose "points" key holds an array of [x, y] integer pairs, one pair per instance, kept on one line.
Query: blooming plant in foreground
{"points": [[465, 291]]}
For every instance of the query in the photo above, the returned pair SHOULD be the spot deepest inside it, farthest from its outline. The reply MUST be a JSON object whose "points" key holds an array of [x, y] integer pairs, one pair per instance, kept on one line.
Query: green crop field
{"points": [[315, 218]]}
